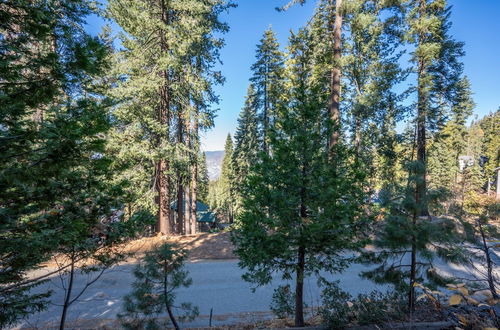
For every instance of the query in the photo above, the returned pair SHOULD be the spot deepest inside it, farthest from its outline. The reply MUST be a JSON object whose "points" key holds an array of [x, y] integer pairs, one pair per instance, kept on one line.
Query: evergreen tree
{"points": [[298, 216], [451, 142], [438, 69], [266, 80], [166, 76], [225, 184], [333, 12], [490, 125], [203, 180], [371, 70], [247, 144], [54, 169], [159, 274]]}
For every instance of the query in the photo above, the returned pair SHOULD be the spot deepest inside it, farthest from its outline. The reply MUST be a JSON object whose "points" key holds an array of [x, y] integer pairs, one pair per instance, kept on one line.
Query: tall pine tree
{"points": [[266, 80], [54, 169], [298, 216], [246, 144], [165, 81]]}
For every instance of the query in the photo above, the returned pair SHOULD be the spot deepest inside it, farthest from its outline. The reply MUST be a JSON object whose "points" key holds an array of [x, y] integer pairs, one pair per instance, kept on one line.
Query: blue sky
{"points": [[477, 23]]}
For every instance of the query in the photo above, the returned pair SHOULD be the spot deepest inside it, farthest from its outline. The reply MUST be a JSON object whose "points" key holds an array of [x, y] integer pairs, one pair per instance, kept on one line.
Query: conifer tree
{"points": [[333, 11], [266, 80], [247, 144], [226, 183], [54, 169], [405, 233], [158, 276], [436, 62], [166, 76], [491, 144], [203, 180], [298, 216], [371, 69], [451, 142]]}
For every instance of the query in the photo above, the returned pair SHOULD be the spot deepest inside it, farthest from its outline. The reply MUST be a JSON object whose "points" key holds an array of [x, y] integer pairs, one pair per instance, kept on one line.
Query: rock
{"points": [[482, 296]]}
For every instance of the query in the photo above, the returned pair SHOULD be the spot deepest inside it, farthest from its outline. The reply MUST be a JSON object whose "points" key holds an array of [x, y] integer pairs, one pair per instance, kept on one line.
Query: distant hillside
{"points": [[214, 163]]}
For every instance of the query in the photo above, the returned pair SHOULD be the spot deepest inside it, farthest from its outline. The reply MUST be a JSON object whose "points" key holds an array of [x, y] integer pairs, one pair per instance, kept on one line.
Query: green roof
{"points": [[208, 217], [203, 213]]}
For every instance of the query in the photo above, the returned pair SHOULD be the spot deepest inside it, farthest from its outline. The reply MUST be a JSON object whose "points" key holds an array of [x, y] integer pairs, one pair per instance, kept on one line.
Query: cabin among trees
{"points": [[205, 219]]}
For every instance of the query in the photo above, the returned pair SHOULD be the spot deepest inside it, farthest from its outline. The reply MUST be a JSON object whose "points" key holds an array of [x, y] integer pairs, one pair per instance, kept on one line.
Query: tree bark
{"points": [[163, 225], [187, 194], [299, 288], [489, 262], [194, 175], [413, 269], [68, 294], [165, 293], [187, 210], [180, 206], [335, 78], [357, 136], [421, 170]]}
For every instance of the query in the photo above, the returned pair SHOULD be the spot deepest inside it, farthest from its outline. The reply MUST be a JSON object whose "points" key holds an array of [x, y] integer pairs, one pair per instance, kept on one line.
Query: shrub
{"points": [[336, 309], [283, 302]]}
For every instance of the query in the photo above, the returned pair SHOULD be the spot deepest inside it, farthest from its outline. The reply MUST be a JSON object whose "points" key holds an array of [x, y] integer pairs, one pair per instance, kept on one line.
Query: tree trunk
{"points": [[421, 171], [335, 78], [489, 263], [187, 204], [194, 193], [194, 177], [413, 268], [357, 136], [180, 179], [180, 206], [163, 225], [187, 211], [68, 294], [165, 293], [299, 288], [266, 113]]}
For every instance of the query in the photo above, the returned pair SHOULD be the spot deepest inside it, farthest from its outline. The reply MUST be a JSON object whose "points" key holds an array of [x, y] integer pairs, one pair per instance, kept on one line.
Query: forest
{"points": [[357, 144]]}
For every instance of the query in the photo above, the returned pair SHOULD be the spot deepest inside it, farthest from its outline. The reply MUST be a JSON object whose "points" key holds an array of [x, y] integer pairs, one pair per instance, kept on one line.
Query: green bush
{"points": [[336, 309], [378, 307], [283, 302], [339, 308]]}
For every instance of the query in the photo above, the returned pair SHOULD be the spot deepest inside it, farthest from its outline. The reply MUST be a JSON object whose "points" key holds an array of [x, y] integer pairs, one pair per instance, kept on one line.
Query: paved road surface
{"points": [[216, 284]]}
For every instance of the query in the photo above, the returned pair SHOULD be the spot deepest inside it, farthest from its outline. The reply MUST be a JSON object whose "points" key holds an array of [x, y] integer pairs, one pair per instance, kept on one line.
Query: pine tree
{"points": [[266, 80], [491, 144], [159, 274], [54, 169], [225, 183], [247, 144], [203, 180], [371, 70], [166, 76], [451, 142], [438, 69], [298, 216], [333, 11]]}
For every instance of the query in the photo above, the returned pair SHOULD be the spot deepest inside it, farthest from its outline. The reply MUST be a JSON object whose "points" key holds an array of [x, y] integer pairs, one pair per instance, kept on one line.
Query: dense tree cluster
{"points": [[95, 139], [328, 159], [100, 143]]}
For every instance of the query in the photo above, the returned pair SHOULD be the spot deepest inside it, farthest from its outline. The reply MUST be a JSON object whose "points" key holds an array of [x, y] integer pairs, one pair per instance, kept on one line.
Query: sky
{"points": [[476, 23]]}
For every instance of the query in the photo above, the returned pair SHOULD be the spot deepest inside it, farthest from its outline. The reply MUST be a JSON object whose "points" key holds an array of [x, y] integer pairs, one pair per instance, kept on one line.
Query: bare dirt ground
{"points": [[200, 246]]}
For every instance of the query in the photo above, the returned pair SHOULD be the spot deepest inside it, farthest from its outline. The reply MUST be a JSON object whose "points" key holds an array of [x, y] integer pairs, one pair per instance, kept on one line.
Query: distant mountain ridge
{"points": [[214, 163]]}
